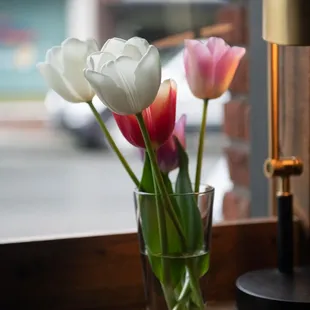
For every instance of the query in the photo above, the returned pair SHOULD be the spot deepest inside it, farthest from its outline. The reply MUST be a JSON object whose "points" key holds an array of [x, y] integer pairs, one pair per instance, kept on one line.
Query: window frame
{"points": [[104, 272]]}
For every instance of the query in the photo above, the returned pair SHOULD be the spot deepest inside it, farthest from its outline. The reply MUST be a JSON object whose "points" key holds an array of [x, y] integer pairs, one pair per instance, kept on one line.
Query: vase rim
{"points": [[208, 189]]}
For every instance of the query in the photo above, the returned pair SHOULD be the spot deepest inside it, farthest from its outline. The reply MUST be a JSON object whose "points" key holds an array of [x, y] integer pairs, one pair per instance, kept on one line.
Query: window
{"points": [[66, 207]]}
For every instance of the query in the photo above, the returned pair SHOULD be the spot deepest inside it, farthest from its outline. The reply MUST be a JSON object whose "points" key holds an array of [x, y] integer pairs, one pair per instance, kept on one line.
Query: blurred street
{"points": [[51, 189]]}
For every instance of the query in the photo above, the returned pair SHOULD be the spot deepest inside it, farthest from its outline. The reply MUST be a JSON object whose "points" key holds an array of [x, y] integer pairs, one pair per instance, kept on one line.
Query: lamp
{"points": [[285, 22]]}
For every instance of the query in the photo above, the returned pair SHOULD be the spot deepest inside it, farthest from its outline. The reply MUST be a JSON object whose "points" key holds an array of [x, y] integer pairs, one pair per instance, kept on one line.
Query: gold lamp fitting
{"points": [[283, 167], [286, 22]]}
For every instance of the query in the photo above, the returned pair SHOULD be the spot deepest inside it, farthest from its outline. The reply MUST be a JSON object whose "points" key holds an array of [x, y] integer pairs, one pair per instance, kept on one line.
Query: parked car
{"points": [[79, 120]]}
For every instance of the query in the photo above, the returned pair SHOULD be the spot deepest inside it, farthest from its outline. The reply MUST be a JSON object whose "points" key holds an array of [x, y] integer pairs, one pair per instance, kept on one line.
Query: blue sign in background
{"points": [[27, 29]]}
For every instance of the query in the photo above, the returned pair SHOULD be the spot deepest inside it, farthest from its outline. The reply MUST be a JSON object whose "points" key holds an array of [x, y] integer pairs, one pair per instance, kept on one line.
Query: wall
{"points": [[28, 29], [295, 121], [236, 202]]}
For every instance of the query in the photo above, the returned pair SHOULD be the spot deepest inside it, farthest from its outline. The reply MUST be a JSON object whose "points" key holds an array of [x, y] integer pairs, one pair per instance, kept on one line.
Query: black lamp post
{"points": [[285, 22]]}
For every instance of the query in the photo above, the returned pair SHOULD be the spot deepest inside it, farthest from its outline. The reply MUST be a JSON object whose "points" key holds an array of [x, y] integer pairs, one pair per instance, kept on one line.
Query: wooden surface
{"points": [[221, 306], [105, 273], [295, 121]]}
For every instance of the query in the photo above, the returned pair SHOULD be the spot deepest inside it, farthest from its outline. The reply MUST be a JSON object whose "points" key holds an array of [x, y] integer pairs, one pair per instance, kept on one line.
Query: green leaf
{"points": [[149, 221], [171, 193], [177, 265], [146, 184], [192, 224], [189, 211], [203, 264], [150, 229]]}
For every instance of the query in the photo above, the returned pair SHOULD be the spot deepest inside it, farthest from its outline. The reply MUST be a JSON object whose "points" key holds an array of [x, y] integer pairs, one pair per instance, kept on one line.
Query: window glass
{"points": [[58, 176]]}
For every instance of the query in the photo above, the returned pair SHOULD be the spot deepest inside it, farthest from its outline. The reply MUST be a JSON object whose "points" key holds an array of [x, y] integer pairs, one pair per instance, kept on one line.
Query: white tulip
{"points": [[63, 69], [125, 75]]}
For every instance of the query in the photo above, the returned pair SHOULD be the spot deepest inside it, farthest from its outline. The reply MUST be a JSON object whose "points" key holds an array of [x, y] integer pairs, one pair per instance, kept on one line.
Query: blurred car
{"points": [[80, 122]]}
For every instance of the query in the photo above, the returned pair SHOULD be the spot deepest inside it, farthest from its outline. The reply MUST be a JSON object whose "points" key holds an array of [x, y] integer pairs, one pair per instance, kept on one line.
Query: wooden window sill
{"points": [[104, 272]]}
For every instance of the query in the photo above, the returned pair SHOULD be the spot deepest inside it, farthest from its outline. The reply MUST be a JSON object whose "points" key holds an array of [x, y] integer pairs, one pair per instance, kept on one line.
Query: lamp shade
{"points": [[286, 22]]}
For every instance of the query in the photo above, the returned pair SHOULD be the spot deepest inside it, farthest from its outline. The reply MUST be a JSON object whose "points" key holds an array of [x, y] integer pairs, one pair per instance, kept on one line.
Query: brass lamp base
{"points": [[272, 290]]}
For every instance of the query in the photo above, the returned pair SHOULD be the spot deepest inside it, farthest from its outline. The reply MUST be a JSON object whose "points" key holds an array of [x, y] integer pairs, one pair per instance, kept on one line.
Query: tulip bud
{"points": [[167, 154], [63, 69], [210, 67], [159, 118], [125, 75]]}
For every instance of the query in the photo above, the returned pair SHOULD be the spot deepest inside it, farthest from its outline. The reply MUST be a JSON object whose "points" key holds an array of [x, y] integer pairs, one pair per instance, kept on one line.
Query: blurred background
{"points": [[57, 175]]}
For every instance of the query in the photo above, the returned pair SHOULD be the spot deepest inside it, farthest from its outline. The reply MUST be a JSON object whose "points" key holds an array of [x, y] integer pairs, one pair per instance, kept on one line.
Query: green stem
{"points": [[190, 287], [194, 282], [163, 237], [160, 182], [184, 294], [161, 220], [162, 232], [201, 144], [165, 195], [113, 145]]}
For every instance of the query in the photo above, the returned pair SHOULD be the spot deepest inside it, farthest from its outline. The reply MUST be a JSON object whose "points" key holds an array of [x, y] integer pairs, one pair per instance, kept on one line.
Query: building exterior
{"points": [[27, 29]]}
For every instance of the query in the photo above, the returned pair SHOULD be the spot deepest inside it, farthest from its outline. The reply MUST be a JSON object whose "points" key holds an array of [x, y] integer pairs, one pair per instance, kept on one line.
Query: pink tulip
{"points": [[167, 154], [210, 67]]}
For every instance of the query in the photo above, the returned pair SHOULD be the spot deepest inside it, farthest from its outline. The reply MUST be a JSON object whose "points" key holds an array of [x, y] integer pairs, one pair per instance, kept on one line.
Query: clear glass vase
{"points": [[174, 240]]}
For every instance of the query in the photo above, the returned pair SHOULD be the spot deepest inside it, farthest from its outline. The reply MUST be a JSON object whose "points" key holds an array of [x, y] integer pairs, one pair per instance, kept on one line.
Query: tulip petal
{"points": [[90, 62], [130, 129], [179, 130], [96, 60], [162, 98], [74, 49], [141, 44], [132, 51], [122, 73], [93, 49], [202, 60], [167, 154], [114, 46], [126, 68], [57, 83], [108, 92], [227, 66], [75, 53], [162, 113], [194, 79], [54, 58], [110, 69], [92, 46], [148, 77], [199, 68], [217, 47]]}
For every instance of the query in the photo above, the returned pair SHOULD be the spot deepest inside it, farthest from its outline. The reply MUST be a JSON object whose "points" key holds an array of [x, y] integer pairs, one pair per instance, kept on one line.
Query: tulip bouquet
{"points": [[126, 76]]}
